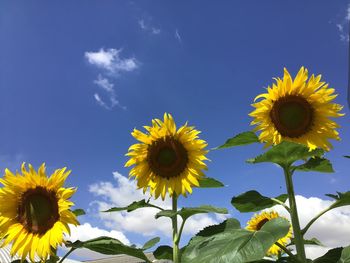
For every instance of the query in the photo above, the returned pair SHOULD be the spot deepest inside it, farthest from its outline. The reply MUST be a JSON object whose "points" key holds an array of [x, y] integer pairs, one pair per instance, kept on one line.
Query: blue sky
{"points": [[202, 62]]}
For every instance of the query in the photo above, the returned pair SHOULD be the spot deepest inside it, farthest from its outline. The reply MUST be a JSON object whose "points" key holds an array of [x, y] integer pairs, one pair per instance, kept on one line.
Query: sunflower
{"points": [[256, 223], [34, 211], [297, 110], [167, 159]]}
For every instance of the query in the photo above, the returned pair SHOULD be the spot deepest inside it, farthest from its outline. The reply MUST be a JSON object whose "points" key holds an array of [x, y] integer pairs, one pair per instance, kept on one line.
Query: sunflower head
{"points": [[256, 223], [297, 110], [167, 159], [34, 211]]}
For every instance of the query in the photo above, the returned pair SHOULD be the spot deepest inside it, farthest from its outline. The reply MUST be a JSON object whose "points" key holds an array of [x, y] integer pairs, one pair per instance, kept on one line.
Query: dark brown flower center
{"points": [[38, 210], [261, 223], [292, 116], [167, 157]]}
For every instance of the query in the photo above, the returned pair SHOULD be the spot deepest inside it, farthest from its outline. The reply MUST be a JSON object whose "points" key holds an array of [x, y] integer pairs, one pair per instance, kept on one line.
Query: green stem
{"points": [[285, 250], [281, 203], [298, 237], [176, 255], [154, 206], [181, 229], [313, 220], [66, 255]]}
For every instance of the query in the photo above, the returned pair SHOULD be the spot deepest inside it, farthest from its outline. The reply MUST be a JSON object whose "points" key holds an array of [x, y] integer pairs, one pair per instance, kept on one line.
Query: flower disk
{"points": [[167, 160], [34, 211], [297, 110], [256, 223]]}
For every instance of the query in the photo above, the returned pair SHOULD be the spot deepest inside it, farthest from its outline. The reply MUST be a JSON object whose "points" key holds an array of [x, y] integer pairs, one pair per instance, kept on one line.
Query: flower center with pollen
{"points": [[167, 157], [38, 210], [292, 116]]}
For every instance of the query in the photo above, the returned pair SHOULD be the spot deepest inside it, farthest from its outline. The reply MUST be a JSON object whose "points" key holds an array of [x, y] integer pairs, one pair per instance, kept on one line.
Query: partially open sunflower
{"points": [[256, 223], [167, 159], [34, 211], [297, 110]]}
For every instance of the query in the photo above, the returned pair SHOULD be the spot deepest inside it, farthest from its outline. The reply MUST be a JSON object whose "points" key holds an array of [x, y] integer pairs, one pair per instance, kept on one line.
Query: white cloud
{"points": [[112, 65], [107, 86], [140, 221], [148, 28], [342, 27], [111, 61], [86, 231], [332, 229], [177, 36]]}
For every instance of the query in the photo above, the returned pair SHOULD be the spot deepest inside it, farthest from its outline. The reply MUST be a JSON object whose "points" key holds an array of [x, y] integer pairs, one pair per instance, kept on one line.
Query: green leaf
{"points": [[227, 225], [280, 260], [342, 199], [286, 153], [235, 245], [347, 156], [253, 201], [345, 255], [187, 212], [208, 182], [150, 243], [312, 241], [317, 164], [133, 206], [243, 138], [78, 212], [332, 256], [53, 259], [109, 246], [163, 252]]}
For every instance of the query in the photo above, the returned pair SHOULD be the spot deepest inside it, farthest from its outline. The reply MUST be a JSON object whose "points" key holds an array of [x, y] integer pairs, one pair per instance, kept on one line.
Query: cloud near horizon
{"points": [[332, 229], [123, 192]]}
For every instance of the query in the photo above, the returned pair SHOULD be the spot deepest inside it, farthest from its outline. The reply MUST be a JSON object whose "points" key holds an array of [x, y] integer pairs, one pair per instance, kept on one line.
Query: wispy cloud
{"points": [[107, 86], [112, 65], [178, 36], [146, 26], [111, 61], [342, 26]]}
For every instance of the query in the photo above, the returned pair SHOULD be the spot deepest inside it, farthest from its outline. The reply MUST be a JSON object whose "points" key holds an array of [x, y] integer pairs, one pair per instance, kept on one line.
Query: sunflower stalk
{"points": [[298, 237], [176, 239], [67, 254]]}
